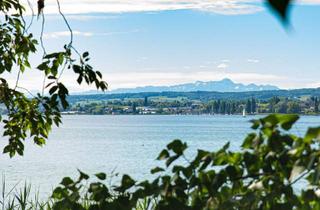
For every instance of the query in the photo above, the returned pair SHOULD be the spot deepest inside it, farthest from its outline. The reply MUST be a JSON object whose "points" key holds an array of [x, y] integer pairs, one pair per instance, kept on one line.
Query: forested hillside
{"points": [[203, 95]]}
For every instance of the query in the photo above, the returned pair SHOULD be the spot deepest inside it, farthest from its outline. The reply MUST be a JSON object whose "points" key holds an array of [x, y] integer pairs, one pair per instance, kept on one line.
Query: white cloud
{"points": [[227, 7], [250, 60], [222, 66], [308, 2], [59, 34], [84, 17]]}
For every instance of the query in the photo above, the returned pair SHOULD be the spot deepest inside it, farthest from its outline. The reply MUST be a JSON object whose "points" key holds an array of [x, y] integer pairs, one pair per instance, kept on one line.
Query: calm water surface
{"points": [[125, 144]]}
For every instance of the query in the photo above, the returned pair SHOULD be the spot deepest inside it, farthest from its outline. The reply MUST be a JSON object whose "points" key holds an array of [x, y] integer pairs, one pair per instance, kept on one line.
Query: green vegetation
{"points": [[262, 175], [202, 95], [180, 105], [33, 115]]}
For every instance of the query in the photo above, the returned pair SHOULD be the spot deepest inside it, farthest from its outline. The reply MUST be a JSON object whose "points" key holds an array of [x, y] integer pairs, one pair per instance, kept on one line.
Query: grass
{"points": [[20, 199], [23, 198]]}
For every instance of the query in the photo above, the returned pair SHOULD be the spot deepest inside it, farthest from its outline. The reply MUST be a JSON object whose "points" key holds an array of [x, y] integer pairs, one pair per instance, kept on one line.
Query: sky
{"points": [[166, 42]]}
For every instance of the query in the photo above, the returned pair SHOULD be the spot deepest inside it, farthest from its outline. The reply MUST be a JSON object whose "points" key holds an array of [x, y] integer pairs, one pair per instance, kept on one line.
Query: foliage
{"points": [[28, 114], [262, 175], [162, 105], [20, 199], [203, 96]]}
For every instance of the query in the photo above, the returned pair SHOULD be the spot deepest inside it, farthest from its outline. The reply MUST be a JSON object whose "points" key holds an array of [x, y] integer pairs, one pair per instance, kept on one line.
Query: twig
{"points": [[41, 36], [43, 85], [67, 23], [22, 88], [32, 15], [300, 177], [17, 81]]}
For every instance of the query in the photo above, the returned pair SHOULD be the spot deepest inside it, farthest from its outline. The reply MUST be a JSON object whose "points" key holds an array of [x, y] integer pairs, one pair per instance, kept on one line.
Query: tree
{"points": [[281, 107], [145, 101], [134, 107], [293, 107], [34, 114], [248, 106], [316, 104], [272, 102], [253, 105]]}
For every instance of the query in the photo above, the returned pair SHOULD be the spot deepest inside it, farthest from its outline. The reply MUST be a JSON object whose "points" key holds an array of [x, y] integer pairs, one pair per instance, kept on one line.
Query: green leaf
{"points": [[156, 170], [163, 155], [177, 146], [171, 160], [85, 54], [101, 176], [312, 133], [83, 176], [53, 90], [255, 124], [66, 181], [247, 144], [126, 183], [287, 120]]}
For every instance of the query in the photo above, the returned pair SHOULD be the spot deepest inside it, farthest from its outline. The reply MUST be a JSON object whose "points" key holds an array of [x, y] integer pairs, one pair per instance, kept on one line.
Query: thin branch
{"points": [[43, 85], [76, 51], [252, 176], [17, 81], [41, 35], [22, 88], [62, 70], [32, 15], [67, 24], [300, 177]]}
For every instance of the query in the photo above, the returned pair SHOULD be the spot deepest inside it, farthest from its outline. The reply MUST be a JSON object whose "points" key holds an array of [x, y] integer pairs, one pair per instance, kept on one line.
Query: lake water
{"points": [[124, 144]]}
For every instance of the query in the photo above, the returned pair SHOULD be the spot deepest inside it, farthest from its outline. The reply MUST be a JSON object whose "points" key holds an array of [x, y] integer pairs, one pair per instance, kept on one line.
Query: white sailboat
{"points": [[244, 113]]}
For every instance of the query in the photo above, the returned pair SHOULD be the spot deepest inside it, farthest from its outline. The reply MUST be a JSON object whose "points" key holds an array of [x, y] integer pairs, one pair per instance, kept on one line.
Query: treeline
{"points": [[203, 96], [146, 105], [231, 107]]}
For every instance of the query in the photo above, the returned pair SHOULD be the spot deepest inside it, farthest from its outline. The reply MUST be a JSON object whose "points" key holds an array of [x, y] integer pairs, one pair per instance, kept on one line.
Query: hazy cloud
{"points": [[59, 34], [222, 66], [250, 60]]}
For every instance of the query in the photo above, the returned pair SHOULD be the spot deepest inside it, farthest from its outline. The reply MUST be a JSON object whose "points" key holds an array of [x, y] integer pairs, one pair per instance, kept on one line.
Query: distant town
{"points": [[185, 106]]}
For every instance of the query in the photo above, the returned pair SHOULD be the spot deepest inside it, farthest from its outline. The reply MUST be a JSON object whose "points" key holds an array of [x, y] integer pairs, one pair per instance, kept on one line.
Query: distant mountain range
{"points": [[201, 95], [225, 85]]}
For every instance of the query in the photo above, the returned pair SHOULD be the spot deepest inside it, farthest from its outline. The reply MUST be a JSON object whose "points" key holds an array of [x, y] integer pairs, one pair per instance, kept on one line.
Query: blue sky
{"points": [[174, 41]]}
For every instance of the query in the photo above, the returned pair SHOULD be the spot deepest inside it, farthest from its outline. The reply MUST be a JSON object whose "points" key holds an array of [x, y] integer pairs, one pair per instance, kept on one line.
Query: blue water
{"points": [[123, 144]]}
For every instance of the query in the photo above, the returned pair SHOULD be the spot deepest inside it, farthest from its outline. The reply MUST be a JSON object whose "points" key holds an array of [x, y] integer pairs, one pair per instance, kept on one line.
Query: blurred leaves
{"points": [[281, 8]]}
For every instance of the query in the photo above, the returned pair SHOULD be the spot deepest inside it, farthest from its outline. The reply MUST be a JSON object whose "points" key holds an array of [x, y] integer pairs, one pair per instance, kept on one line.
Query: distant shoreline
{"points": [[259, 114]]}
